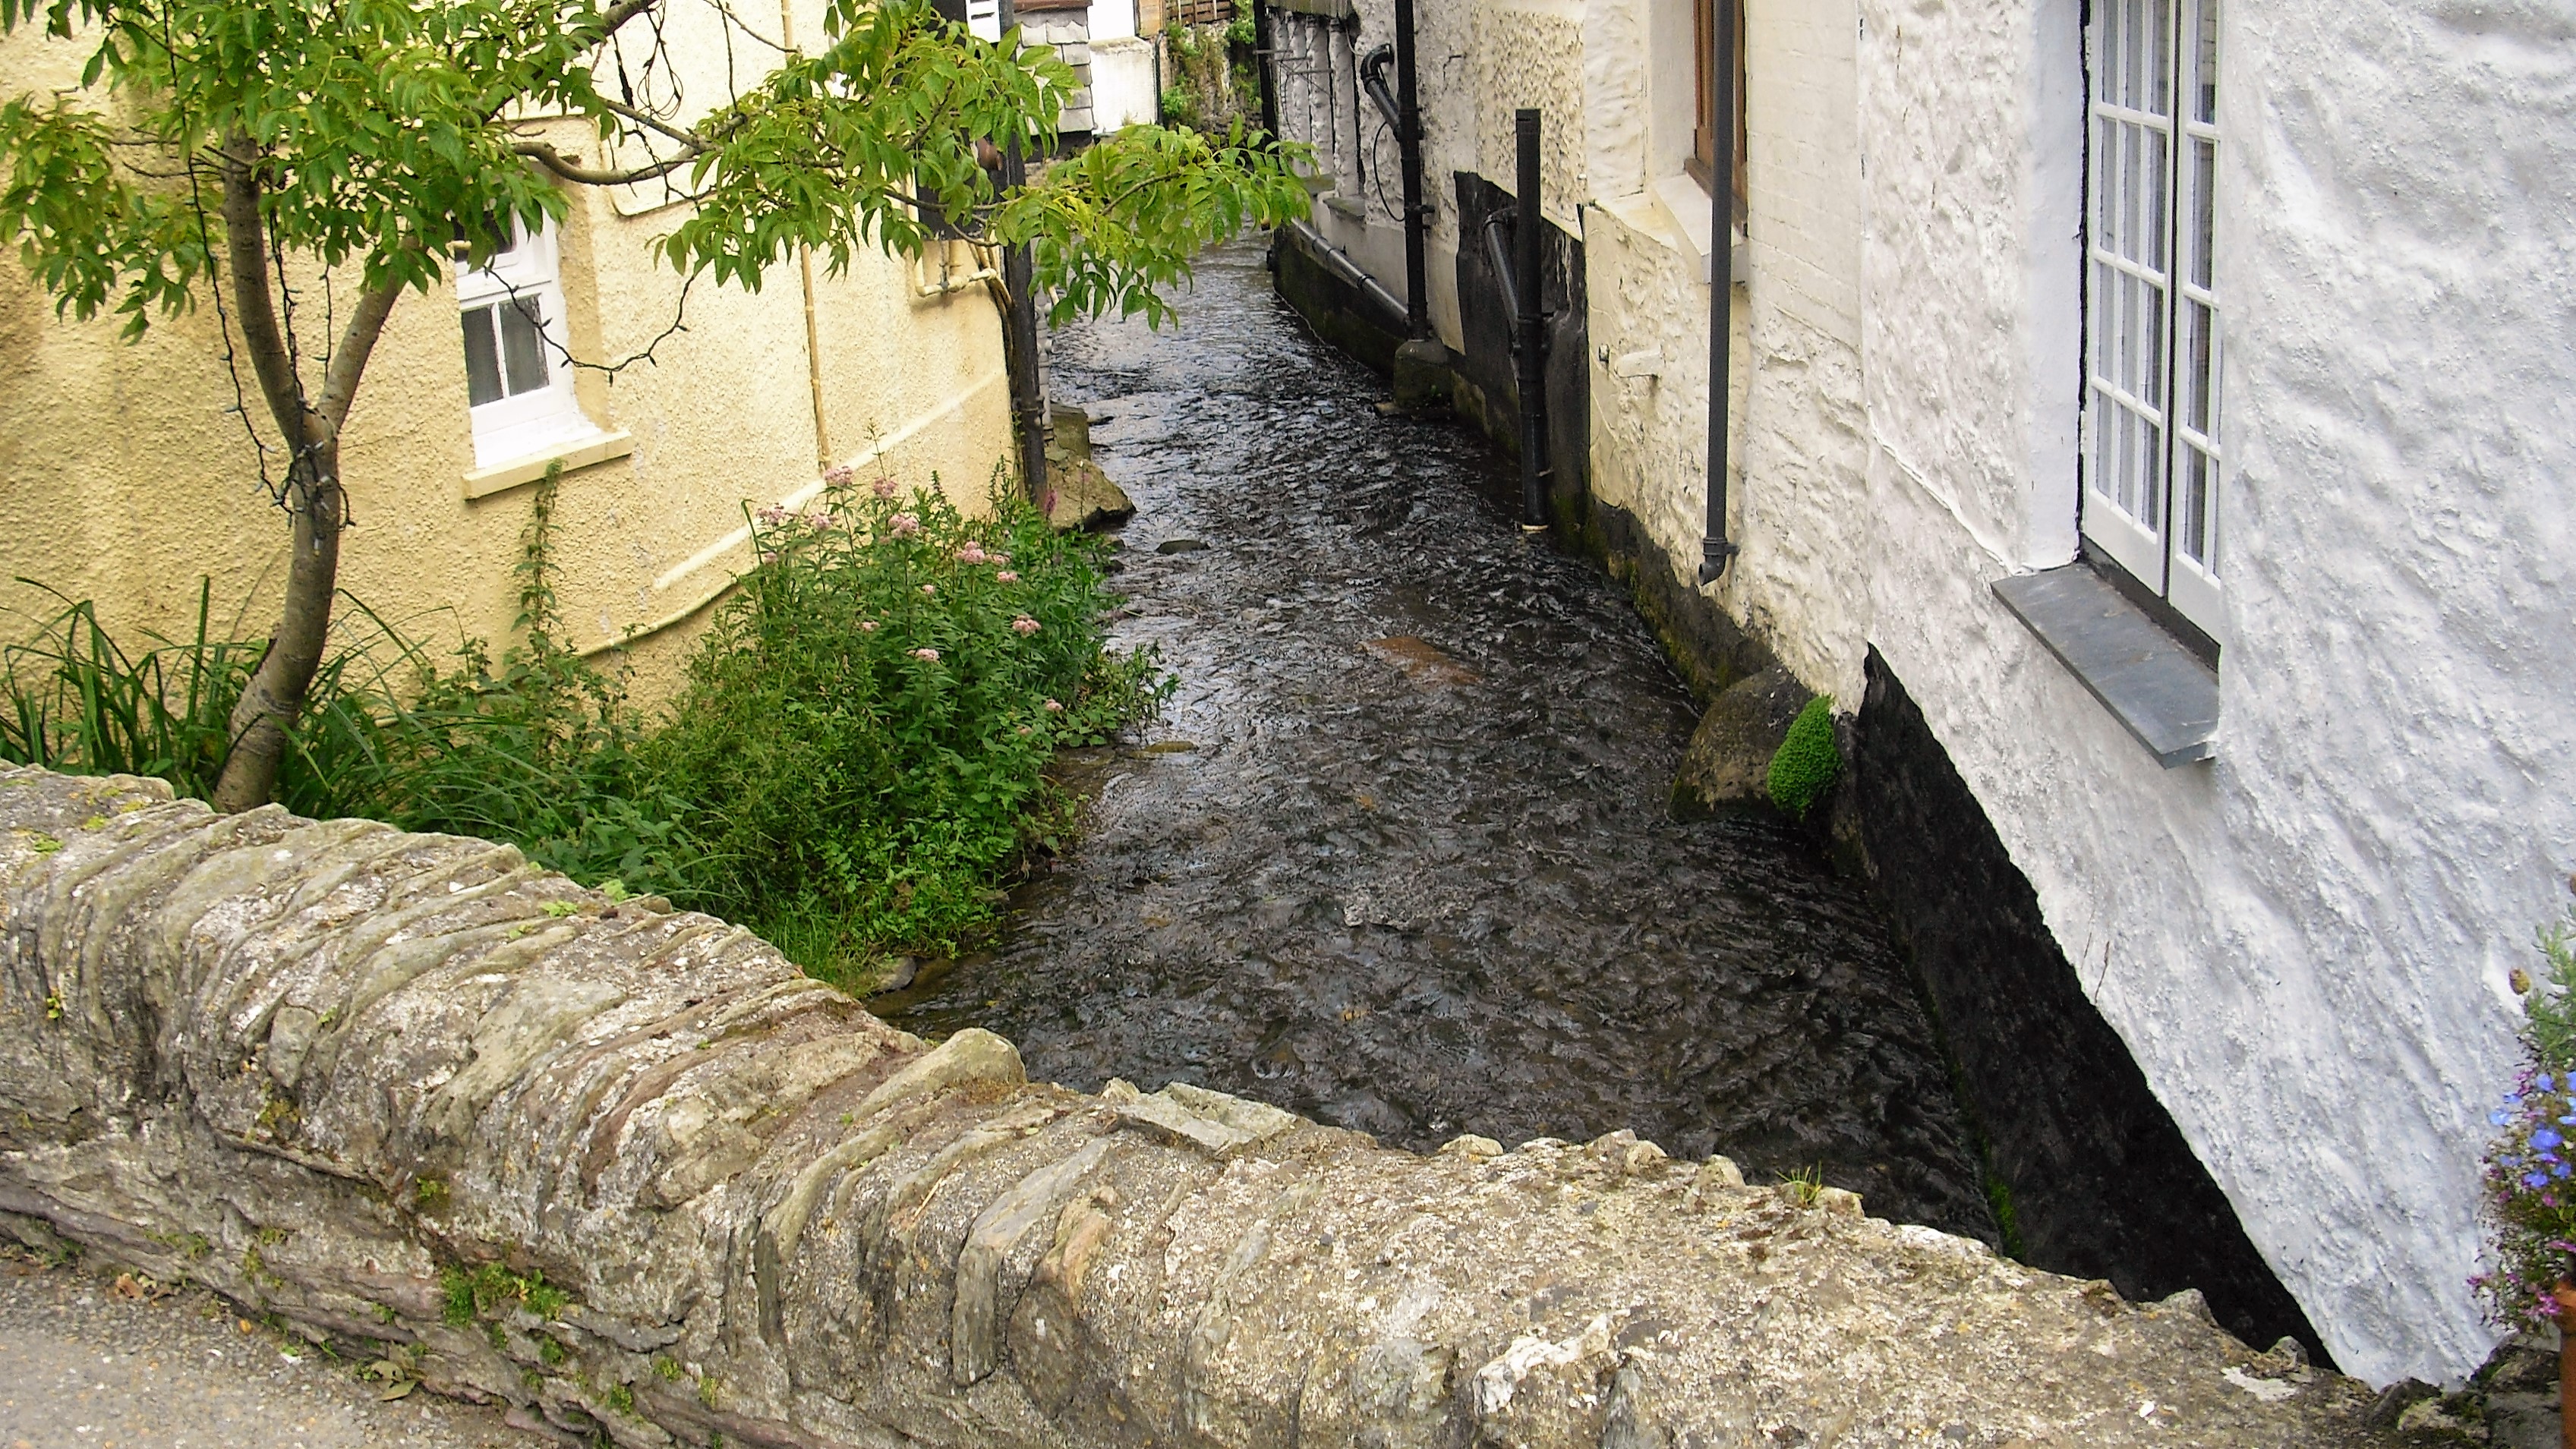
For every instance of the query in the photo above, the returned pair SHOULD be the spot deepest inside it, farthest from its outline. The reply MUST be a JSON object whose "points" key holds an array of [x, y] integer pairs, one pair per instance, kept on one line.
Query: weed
{"points": [[621, 1401], [551, 1352], [561, 909], [429, 1194], [492, 1289], [668, 1368], [1805, 1187]]}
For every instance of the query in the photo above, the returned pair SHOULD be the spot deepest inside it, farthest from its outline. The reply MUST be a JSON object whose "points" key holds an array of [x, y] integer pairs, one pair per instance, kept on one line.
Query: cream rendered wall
{"points": [[126, 480]]}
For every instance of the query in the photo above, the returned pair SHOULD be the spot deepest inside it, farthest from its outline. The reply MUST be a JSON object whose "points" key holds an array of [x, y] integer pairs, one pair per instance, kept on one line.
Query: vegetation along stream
{"points": [[1397, 856]]}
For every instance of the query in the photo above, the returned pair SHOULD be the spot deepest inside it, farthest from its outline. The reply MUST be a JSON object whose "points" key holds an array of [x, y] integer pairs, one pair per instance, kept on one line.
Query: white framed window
{"points": [[2151, 455], [516, 377]]}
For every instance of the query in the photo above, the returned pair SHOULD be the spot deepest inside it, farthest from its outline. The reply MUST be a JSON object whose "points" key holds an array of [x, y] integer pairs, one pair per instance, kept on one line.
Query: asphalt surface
{"points": [[87, 1363]]}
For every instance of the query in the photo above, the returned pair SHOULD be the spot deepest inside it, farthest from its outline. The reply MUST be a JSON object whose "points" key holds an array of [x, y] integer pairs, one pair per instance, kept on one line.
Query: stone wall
{"points": [[628, 1172]]}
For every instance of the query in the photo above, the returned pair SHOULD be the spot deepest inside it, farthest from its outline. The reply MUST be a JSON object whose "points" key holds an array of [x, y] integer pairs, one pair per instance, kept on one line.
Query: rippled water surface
{"points": [[1420, 889]]}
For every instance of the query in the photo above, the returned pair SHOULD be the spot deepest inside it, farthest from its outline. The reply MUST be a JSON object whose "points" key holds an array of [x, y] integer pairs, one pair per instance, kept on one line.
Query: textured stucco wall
{"points": [[2305, 943], [126, 481]]}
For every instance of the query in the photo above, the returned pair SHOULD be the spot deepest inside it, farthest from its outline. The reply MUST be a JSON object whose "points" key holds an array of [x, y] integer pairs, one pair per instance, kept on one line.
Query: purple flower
{"points": [[1054, 708], [838, 475], [2546, 1138], [929, 589], [883, 488]]}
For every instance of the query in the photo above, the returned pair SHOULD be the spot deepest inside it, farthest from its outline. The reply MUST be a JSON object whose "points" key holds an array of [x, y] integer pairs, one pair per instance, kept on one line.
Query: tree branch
{"points": [[556, 162], [349, 359], [246, 252], [684, 136]]}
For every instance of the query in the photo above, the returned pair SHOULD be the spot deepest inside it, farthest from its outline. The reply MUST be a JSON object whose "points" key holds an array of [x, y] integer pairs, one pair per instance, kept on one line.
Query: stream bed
{"points": [[1398, 854]]}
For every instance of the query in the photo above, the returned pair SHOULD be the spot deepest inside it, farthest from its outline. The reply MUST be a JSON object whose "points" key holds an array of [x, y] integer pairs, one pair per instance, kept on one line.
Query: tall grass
{"points": [[856, 762]]}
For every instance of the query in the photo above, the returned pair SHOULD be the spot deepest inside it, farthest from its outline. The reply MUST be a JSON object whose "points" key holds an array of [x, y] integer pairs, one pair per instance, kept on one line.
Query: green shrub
{"points": [[866, 726], [1808, 761], [856, 761]]}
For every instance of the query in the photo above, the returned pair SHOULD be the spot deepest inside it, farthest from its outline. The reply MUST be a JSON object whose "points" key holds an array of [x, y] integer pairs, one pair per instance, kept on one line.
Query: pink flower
{"points": [[1001, 558], [818, 520], [904, 523], [772, 515], [972, 553], [1024, 729], [838, 475], [1006, 577], [1054, 708], [769, 555], [1024, 626], [867, 626], [926, 656], [929, 589], [883, 488]]}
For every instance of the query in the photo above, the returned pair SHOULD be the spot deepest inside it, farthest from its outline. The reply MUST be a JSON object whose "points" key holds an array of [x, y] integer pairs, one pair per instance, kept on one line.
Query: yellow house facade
{"points": [[129, 474]]}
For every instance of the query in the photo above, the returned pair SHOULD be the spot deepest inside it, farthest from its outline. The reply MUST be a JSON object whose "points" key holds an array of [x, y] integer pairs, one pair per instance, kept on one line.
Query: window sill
{"points": [[576, 452], [1686, 202], [2155, 687]]}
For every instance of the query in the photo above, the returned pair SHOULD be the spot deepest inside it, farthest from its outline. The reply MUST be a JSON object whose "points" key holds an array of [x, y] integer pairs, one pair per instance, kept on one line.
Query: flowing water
{"points": [[1398, 856]]}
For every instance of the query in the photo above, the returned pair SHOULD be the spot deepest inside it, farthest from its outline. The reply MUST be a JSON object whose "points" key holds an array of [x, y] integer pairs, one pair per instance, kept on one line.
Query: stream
{"points": [[1398, 856]]}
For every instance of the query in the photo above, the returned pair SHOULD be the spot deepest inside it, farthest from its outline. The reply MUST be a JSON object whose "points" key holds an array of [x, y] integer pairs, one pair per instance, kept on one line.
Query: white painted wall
{"points": [[1123, 92], [2304, 942]]}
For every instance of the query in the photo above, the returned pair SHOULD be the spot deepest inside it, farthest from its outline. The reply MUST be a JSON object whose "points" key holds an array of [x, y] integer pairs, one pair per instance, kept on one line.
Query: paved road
{"points": [[85, 1367]]}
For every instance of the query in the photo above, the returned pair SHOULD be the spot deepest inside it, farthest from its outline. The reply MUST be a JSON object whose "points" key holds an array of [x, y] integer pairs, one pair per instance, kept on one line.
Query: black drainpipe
{"points": [[1531, 342], [1262, 33], [1020, 325], [1404, 115], [1408, 135], [1716, 549]]}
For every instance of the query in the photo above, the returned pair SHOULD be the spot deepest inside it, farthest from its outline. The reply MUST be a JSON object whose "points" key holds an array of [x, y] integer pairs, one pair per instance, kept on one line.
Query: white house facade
{"points": [[2150, 420]]}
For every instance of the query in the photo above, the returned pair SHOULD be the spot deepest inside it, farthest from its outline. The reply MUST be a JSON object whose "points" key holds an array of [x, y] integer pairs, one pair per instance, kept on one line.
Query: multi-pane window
{"points": [[2151, 446], [516, 379]]}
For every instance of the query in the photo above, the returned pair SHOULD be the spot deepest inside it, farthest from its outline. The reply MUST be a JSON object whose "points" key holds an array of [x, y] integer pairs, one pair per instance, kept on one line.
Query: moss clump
{"points": [[1807, 762]]}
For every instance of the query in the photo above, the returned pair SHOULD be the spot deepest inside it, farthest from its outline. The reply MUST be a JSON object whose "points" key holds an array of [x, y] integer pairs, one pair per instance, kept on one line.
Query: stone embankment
{"points": [[628, 1171]]}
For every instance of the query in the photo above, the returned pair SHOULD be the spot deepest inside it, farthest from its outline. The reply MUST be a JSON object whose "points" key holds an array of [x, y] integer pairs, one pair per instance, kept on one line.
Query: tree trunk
{"points": [[315, 502], [274, 697]]}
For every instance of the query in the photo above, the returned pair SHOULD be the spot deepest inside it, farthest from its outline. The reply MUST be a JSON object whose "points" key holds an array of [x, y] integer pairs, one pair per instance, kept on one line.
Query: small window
{"points": [[1703, 159], [516, 376], [2151, 456]]}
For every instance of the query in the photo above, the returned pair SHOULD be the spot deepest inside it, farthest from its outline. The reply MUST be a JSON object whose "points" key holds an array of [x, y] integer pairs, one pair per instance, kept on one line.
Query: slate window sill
{"points": [[2154, 686]]}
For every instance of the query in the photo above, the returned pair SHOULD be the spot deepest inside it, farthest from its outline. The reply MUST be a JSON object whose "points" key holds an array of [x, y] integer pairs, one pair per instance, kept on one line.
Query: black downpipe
{"points": [[1417, 216], [1020, 324], [1403, 112], [1263, 38], [1716, 548], [1530, 345]]}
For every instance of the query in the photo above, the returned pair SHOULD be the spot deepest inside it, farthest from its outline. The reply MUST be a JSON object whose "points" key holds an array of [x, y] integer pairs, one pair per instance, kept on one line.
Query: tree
{"points": [[213, 141]]}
